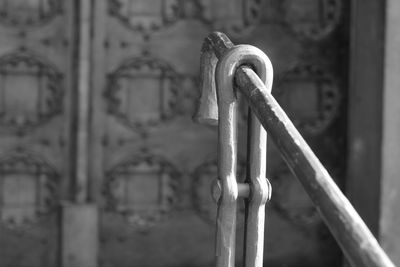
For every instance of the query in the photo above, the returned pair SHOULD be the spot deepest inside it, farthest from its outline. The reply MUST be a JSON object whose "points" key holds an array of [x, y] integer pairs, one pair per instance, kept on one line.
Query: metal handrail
{"points": [[357, 242]]}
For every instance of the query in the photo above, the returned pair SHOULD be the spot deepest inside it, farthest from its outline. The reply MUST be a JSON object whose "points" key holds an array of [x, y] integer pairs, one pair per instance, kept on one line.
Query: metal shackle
{"points": [[259, 187], [219, 105]]}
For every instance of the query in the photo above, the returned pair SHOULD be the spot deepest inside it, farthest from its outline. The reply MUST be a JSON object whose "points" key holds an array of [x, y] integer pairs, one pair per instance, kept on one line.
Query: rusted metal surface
{"points": [[223, 110], [355, 239]]}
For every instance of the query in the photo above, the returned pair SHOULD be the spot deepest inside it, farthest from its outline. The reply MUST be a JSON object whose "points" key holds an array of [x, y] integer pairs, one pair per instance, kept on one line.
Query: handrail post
{"points": [[226, 110], [351, 233]]}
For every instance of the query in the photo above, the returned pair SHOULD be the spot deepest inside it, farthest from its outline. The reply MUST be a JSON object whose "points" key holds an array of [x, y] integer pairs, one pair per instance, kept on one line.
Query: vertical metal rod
{"points": [[83, 102], [260, 194], [227, 160], [226, 215]]}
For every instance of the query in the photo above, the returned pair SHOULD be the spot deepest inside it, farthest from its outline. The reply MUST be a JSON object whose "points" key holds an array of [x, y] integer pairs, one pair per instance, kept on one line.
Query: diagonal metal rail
{"points": [[357, 242]]}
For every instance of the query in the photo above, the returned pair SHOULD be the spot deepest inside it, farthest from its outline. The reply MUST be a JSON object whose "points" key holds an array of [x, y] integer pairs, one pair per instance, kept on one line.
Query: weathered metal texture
{"points": [[354, 237], [223, 110]]}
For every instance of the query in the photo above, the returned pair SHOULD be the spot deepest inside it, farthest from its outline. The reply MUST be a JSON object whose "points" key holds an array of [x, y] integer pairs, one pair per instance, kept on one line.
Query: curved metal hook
{"points": [[234, 58], [214, 46]]}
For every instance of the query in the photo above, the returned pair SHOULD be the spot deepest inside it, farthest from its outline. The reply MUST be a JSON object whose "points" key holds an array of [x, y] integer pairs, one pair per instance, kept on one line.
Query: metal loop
{"points": [[344, 222], [218, 105], [259, 186], [214, 46], [227, 145], [236, 56]]}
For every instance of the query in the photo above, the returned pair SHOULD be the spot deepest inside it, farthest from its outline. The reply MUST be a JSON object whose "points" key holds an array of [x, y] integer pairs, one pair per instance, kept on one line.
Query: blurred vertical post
{"points": [[389, 230], [83, 101], [79, 246]]}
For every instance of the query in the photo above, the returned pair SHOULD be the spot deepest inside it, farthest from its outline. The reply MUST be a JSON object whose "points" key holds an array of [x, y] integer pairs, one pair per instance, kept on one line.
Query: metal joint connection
{"points": [[228, 64], [218, 106]]}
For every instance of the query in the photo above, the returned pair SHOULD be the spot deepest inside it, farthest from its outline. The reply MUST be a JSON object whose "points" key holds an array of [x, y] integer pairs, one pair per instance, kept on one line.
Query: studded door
{"points": [[153, 167], [35, 93]]}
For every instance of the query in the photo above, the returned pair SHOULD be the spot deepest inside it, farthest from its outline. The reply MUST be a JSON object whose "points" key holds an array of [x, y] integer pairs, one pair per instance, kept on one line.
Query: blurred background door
{"points": [[96, 100], [36, 53]]}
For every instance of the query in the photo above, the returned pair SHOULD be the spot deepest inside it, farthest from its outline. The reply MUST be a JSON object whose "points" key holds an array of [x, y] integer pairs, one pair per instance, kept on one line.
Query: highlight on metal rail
{"points": [[225, 69]]}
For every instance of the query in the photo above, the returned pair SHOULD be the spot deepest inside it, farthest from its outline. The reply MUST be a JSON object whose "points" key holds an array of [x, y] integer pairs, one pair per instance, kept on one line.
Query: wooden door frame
{"points": [[367, 25]]}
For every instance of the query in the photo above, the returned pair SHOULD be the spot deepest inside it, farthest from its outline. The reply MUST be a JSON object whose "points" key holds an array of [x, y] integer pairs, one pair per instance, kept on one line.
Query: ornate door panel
{"points": [[35, 81], [152, 167]]}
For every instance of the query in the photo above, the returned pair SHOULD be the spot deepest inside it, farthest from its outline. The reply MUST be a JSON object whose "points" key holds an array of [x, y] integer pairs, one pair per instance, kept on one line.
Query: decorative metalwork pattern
{"points": [[28, 190], [291, 201], [310, 96], [30, 91], [143, 189], [144, 16], [203, 196], [28, 13], [312, 19], [143, 92], [188, 94], [233, 17]]}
